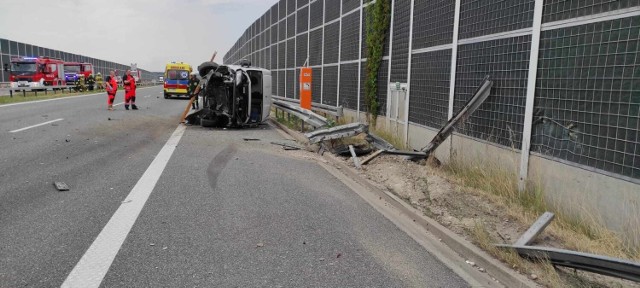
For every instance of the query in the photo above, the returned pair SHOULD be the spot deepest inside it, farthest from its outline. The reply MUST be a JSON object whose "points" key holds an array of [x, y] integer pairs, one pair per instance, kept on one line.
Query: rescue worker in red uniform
{"points": [[111, 85], [130, 91]]}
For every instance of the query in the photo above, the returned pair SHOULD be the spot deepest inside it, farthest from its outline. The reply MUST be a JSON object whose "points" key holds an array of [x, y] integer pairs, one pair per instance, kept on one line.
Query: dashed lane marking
{"points": [[94, 264], [37, 125]]}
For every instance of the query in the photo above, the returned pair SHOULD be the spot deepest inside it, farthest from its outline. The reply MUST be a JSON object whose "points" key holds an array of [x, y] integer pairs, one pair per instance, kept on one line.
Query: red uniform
{"points": [[130, 91], [112, 88]]}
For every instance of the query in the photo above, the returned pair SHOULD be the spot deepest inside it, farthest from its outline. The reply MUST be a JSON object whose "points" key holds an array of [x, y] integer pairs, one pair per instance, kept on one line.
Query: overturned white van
{"points": [[233, 95]]}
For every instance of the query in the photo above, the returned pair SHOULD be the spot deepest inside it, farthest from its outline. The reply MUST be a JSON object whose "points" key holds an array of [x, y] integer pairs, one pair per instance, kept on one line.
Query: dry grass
{"points": [[584, 233], [389, 136]]}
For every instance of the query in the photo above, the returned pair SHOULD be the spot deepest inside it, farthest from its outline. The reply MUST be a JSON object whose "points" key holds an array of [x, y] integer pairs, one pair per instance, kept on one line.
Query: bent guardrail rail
{"points": [[336, 111], [337, 132], [307, 116], [479, 96], [604, 265]]}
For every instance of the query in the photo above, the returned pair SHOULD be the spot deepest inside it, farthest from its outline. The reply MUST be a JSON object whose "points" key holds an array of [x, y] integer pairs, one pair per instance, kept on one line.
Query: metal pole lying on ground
{"points": [[193, 98]]}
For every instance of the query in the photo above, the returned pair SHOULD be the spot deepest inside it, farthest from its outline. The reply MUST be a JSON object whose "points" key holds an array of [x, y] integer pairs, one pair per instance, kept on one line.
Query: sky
{"points": [[147, 32]]}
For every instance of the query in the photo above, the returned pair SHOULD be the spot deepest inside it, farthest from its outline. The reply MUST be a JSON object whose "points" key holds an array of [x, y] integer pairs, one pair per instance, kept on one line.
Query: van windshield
{"points": [[177, 74]]}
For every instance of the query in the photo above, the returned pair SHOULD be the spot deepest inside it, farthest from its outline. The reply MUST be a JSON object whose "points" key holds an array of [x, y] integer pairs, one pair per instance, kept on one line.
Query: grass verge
{"points": [[584, 233], [31, 96]]}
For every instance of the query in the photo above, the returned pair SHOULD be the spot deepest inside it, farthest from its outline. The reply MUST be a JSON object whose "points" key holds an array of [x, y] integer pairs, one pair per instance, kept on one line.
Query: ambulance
{"points": [[176, 79]]}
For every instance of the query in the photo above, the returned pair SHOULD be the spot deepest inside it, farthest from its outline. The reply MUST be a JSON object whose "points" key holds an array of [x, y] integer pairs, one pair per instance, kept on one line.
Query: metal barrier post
{"points": [[24, 92], [10, 93]]}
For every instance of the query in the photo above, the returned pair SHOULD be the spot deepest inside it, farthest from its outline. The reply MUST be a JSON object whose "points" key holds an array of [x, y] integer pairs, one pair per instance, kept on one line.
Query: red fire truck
{"points": [[73, 70], [36, 72]]}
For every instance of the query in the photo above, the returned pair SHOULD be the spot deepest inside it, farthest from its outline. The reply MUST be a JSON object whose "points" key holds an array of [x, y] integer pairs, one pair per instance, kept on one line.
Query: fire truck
{"points": [[73, 70], [36, 72]]}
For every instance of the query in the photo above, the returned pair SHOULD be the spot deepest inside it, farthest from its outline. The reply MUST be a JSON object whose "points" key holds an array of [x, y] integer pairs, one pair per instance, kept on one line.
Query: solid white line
{"points": [[37, 125], [94, 264], [114, 105], [62, 98]]}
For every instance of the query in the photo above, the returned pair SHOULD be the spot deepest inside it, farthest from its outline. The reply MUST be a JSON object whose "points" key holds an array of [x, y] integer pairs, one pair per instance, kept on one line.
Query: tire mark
{"points": [[219, 163]]}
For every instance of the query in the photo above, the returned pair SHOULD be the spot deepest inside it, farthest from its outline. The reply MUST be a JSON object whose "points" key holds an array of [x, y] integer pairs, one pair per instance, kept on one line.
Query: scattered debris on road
{"points": [[61, 186], [288, 146], [260, 245], [250, 139]]}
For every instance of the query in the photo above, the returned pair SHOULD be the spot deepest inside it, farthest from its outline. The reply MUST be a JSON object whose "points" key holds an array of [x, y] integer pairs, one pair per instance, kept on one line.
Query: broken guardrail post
{"points": [[535, 229], [478, 98], [354, 157]]}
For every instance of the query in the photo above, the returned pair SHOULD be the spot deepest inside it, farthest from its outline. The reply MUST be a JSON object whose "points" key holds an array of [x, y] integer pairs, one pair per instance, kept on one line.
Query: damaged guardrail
{"points": [[604, 265], [307, 116], [478, 98], [336, 111], [337, 132]]}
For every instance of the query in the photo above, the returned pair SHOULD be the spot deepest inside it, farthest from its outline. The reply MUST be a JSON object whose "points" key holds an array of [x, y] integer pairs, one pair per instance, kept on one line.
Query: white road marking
{"points": [[147, 96], [62, 98], [37, 125], [114, 105], [94, 264]]}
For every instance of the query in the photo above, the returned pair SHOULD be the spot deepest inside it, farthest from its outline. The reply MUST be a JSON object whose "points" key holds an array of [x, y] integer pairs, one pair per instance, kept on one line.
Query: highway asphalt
{"points": [[220, 212]]}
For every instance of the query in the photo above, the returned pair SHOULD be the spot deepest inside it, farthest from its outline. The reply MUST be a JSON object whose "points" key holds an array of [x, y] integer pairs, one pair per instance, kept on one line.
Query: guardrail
{"points": [[44, 89], [4, 89], [332, 110], [305, 115]]}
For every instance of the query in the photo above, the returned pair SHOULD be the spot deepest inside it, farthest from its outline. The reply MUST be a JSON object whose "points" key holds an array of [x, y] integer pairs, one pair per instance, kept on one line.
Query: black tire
{"points": [[166, 96], [208, 123], [205, 67]]}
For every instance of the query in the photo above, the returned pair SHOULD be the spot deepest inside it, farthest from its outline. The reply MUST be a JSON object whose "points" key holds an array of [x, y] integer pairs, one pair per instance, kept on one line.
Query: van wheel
{"points": [[166, 96], [205, 67], [208, 123]]}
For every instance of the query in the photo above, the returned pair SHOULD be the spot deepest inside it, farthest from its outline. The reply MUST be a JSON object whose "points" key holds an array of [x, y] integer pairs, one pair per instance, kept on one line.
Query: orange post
{"points": [[305, 87]]}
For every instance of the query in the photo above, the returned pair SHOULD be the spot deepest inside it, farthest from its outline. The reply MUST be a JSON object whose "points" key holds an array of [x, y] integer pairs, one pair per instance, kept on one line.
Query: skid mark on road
{"points": [[218, 163]]}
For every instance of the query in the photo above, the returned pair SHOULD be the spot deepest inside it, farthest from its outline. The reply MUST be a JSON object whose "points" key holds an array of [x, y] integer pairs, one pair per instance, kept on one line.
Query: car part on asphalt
{"points": [[61, 186], [288, 146]]}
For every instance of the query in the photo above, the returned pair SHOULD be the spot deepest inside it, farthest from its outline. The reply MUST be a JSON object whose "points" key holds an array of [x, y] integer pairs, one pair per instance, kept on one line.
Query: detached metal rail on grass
{"points": [[604, 265]]}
